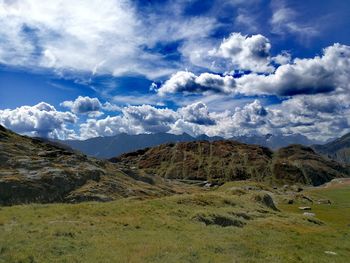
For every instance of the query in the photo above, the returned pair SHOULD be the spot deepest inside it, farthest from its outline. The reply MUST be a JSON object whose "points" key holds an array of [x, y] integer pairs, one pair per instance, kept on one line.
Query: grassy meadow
{"points": [[222, 225]]}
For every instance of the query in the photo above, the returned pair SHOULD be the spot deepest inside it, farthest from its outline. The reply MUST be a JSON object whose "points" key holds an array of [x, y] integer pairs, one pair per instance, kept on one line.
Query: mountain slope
{"points": [[33, 170], [338, 149], [222, 161], [302, 164]]}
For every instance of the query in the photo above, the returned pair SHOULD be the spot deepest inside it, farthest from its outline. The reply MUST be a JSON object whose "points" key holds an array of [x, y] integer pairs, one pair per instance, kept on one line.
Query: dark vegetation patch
{"points": [[218, 219]]}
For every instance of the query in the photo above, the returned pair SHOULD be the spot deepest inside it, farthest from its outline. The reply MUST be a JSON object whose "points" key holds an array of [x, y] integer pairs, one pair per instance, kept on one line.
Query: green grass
{"points": [[166, 230]]}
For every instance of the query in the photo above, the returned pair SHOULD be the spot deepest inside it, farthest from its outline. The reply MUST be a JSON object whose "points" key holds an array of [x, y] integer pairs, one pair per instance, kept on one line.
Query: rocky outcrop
{"points": [[222, 161], [34, 170]]}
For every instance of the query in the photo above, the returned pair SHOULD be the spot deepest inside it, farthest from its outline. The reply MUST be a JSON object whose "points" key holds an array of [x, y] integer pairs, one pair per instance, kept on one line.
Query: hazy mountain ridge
{"points": [[277, 141], [108, 147], [338, 150]]}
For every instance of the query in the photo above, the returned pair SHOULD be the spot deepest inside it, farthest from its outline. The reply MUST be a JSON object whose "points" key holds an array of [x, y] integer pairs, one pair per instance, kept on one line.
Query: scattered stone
{"points": [[307, 198], [324, 202], [315, 221], [308, 214], [296, 188], [331, 253], [304, 208]]}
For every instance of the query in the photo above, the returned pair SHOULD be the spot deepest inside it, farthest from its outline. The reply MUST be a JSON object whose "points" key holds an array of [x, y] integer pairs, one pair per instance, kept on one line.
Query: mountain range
{"points": [[338, 149], [37, 170], [108, 147]]}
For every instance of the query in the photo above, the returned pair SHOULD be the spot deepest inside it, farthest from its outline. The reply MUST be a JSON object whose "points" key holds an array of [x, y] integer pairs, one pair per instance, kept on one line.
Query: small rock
{"points": [[304, 208], [297, 188], [308, 214], [266, 200], [324, 202], [330, 253]]}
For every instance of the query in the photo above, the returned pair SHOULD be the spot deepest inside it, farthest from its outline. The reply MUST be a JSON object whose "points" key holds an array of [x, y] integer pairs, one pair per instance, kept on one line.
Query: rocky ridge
{"points": [[34, 170], [222, 161]]}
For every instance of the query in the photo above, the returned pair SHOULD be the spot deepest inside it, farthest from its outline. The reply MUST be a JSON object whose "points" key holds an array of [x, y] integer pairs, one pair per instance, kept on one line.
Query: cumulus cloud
{"points": [[194, 119], [151, 119], [283, 58], [39, 120], [188, 82], [330, 72], [107, 127], [196, 113], [85, 105], [317, 116], [247, 53], [315, 91]]}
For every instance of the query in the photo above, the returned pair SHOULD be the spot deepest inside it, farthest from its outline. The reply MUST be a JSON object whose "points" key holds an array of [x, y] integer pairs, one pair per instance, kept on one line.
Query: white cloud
{"points": [[285, 21], [247, 19], [196, 113], [187, 82], [151, 119], [247, 53], [317, 116], [328, 73], [283, 58], [39, 120], [85, 105], [109, 38], [107, 127]]}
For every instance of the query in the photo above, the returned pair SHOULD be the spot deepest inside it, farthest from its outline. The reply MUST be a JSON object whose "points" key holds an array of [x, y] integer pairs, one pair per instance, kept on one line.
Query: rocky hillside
{"points": [[33, 170], [338, 150], [302, 164], [222, 161]]}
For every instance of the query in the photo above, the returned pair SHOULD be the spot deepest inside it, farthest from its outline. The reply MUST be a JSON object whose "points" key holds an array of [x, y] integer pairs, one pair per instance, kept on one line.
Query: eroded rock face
{"points": [[203, 160], [34, 170], [222, 161]]}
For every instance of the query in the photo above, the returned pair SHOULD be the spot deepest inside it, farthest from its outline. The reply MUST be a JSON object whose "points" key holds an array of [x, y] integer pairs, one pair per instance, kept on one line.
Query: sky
{"points": [[87, 68]]}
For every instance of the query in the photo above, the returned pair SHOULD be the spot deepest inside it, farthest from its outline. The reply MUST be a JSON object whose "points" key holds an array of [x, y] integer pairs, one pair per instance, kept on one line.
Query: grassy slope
{"points": [[163, 230]]}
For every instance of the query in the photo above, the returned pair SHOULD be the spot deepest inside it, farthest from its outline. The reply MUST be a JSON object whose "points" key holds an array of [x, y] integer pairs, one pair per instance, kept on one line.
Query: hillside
{"points": [[338, 149], [222, 161], [33, 170]]}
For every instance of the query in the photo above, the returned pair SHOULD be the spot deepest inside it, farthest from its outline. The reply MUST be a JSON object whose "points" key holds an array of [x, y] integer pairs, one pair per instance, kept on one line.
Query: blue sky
{"points": [[83, 69]]}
